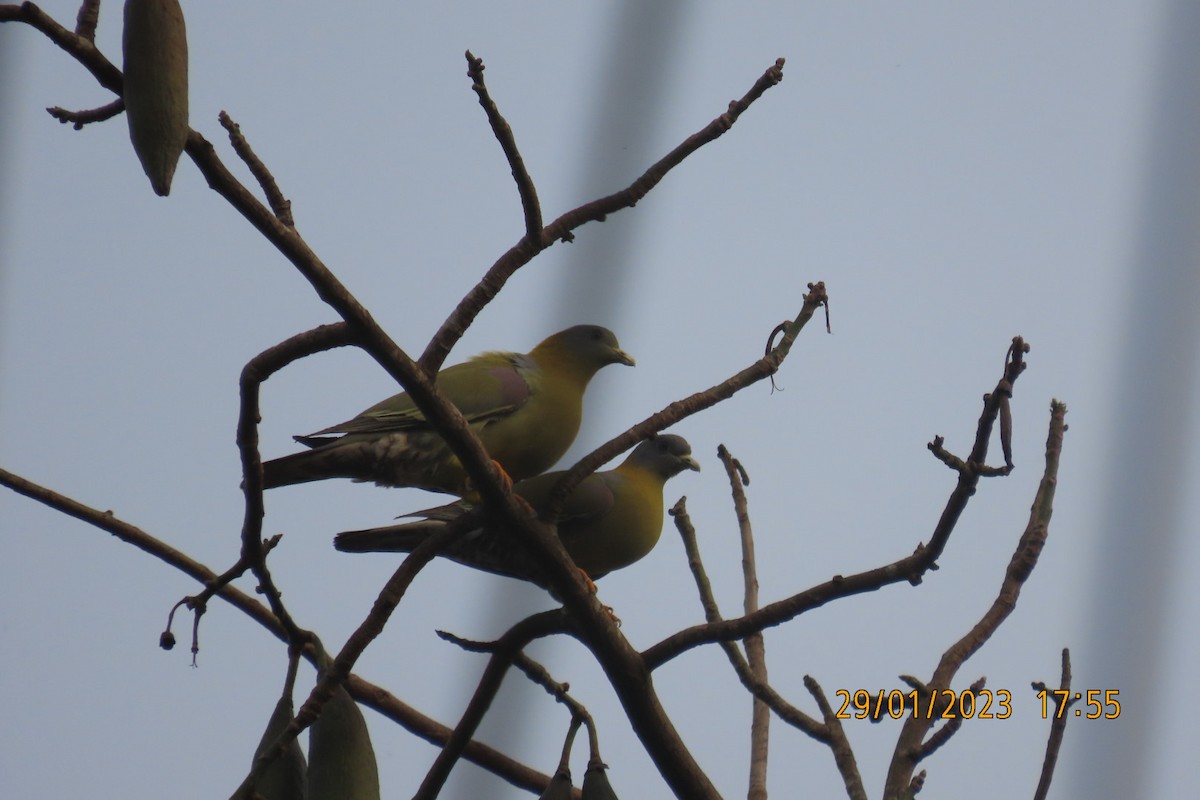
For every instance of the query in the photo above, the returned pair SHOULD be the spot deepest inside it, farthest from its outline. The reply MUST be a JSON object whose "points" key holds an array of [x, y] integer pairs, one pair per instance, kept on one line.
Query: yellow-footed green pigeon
{"points": [[524, 407], [609, 521]]}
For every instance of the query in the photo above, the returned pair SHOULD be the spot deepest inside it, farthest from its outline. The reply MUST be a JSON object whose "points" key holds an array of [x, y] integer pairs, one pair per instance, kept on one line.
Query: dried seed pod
{"points": [[156, 86], [284, 779], [595, 782], [341, 760], [559, 787]]}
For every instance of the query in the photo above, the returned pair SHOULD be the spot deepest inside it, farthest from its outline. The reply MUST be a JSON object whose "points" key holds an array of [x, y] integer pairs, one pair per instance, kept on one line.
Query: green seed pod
{"points": [[341, 760], [595, 782], [156, 86], [560, 787], [284, 779]]}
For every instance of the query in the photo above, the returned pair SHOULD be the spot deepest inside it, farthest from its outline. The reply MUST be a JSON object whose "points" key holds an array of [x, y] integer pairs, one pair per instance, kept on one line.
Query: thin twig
{"points": [[198, 603], [508, 142], [687, 532], [1058, 727], [80, 118], [280, 205], [559, 691], [599, 210], [756, 656]]}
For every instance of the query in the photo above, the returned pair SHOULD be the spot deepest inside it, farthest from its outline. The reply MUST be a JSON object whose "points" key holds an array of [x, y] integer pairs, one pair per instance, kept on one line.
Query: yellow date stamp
{"points": [[972, 704], [1098, 703], [946, 704]]}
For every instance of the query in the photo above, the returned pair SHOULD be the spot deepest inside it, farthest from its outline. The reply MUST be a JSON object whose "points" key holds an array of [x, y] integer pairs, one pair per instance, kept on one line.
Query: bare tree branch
{"points": [[81, 48], [280, 205], [87, 19], [563, 228], [910, 743], [257, 370], [911, 568], [503, 652], [951, 726], [1058, 727], [843, 754], [759, 688], [508, 142], [756, 655], [80, 118], [368, 693], [435, 733]]}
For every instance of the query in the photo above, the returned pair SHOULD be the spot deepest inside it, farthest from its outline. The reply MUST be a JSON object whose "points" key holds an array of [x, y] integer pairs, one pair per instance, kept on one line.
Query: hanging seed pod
{"points": [[156, 86], [285, 778], [560, 787], [595, 782], [341, 760]]}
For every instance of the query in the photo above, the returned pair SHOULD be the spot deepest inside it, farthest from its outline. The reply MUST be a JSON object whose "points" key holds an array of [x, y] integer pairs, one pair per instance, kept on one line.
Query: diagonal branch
{"points": [[508, 142], [843, 754], [598, 210], [762, 368], [80, 47], [280, 205]]}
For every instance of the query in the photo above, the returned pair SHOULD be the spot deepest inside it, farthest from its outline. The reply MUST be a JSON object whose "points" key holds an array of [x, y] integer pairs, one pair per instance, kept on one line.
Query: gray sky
{"points": [[955, 175]]}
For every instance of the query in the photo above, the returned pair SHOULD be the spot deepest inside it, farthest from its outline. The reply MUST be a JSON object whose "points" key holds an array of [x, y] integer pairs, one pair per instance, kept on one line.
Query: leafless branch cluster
{"points": [[582, 615]]}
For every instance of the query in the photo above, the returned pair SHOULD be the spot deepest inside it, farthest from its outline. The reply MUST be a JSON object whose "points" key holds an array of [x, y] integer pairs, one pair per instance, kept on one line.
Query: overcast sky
{"points": [[955, 174]]}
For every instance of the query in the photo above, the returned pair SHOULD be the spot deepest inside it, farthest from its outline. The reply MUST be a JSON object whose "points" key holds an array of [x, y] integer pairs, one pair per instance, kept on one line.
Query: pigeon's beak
{"points": [[619, 356]]}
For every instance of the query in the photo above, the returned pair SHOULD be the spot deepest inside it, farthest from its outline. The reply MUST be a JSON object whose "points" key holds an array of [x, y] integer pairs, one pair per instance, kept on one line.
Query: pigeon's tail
{"points": [[391, 539], [299, 467], [345, 457]]}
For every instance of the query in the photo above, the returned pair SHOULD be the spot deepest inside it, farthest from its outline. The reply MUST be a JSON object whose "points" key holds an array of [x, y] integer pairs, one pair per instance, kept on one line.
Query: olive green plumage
{"points": [[609, 521], [525, 408]]}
